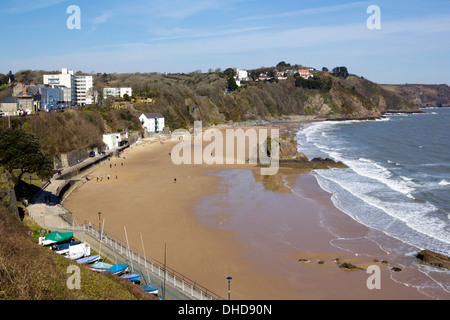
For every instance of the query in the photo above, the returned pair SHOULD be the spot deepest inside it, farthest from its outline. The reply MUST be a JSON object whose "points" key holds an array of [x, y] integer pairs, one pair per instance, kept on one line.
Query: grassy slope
{"points": [[31, 272]]}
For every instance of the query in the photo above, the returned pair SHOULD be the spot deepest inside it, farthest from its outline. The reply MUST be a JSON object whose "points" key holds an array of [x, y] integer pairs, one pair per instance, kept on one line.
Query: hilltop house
{"points": [[305, 73], [241, 75], [152, 122]]}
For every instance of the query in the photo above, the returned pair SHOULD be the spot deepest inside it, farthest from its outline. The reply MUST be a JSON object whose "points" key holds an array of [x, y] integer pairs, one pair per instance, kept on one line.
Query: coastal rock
{"points": [[302, 260], [434, 259], [316, 163], [350, 267], [292, 158]]}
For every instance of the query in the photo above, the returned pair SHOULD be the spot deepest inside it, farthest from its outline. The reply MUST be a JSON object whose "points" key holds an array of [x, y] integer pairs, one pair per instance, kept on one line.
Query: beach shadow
{"points": [[274, 183]]}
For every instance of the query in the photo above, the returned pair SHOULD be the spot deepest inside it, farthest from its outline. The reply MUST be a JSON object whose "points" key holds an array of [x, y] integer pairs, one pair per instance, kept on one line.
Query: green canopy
{"points": [[59, 236]]}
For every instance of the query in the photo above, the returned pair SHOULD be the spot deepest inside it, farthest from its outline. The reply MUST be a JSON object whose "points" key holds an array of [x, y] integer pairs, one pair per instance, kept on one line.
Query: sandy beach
{"points": [[228, 220]]}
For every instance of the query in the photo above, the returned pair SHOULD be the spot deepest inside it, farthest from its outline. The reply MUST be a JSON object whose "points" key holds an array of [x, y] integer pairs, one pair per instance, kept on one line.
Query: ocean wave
{"points": [[393, 162], [374, 170], [404, 219], [402, 200]]}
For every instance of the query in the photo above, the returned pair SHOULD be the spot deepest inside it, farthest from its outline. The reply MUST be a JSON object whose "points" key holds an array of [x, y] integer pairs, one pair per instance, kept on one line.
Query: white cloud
{"points": [[14, 6], [310, 11], [181, 9], [102, 18]]}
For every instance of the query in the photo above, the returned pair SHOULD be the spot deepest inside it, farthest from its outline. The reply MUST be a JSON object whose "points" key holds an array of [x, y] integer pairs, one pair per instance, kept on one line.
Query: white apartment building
{"points": [[80, 88], [117, 92], [65, 78], [84, 88]]}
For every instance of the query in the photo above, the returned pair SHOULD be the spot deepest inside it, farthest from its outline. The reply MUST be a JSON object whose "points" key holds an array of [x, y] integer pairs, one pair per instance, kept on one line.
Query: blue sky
{"points": [[412, 46]]}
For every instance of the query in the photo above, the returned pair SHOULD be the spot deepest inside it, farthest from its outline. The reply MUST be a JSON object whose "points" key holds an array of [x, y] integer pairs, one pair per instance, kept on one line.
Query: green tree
{"points": [[283, 64], [340, 72], [21, 150], [229, 73], [232, 85]]}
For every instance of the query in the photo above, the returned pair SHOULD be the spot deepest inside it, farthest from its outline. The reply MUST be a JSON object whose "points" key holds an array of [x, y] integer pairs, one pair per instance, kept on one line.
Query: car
{"points": [[92, 154]]}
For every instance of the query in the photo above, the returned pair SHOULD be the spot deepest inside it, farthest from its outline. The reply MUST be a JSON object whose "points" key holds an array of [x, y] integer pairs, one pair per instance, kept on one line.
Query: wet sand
{"points": [[228, 220]]}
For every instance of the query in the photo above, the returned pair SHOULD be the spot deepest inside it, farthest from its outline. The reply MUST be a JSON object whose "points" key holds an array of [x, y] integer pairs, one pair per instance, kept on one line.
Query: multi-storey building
{"points": [[84, 90], [79, 89]]}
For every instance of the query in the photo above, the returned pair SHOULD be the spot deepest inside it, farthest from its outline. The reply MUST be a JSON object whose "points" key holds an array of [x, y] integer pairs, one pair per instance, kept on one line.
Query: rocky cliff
{"points": [[423, 95]]}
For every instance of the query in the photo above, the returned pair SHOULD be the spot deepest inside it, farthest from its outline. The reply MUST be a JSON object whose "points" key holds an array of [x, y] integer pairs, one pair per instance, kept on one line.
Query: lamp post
{"points": [[99, 226], [229, 285]]}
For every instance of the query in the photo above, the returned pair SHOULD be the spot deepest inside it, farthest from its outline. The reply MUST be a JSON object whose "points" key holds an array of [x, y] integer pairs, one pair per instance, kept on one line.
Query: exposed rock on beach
{"points": [[434, 259]]}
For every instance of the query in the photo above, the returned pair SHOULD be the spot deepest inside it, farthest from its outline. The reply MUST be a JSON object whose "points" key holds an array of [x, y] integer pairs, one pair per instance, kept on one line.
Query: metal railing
{"points": [[180, 282]]}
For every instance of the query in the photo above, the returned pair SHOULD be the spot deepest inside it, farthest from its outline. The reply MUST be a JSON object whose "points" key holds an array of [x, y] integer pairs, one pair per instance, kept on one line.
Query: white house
{"points": [[305, 73], [152, 122], [115, 140], [242, 75]]}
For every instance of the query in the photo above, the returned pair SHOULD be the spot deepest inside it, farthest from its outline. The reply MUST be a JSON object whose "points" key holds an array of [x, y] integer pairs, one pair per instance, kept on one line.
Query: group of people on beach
{"points": [[100, 178]]}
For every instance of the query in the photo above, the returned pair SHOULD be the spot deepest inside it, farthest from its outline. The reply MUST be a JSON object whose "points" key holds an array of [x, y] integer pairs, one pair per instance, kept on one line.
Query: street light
{"points": [[99, 226], [229, 281]]}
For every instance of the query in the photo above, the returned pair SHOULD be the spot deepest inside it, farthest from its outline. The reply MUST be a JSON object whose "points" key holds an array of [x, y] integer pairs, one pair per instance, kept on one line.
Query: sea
{"points": [[397, 181]]}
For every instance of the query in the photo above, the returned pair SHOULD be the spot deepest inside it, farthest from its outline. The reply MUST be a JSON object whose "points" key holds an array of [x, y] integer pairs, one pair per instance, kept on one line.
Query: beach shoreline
{"points": [[214, 227]]}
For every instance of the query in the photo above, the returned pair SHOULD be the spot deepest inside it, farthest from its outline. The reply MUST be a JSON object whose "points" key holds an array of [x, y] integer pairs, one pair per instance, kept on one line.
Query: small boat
{"points": [[57, 237], [100, 266], [79, 251], [64, 247], [118, 269], [133, 277], [89, 260], [150, 289]]}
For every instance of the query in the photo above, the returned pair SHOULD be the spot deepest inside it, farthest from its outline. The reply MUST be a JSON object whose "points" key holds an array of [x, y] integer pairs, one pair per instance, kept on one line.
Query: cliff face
{"points": [[423, 95], [185, 98], [334, 98]]}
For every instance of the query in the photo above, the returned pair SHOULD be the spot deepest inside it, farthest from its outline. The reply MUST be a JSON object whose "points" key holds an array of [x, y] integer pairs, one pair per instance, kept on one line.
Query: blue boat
{"points": [[150, 289], [100, 266], [118, 269], [133, 277], [88, 260]]}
